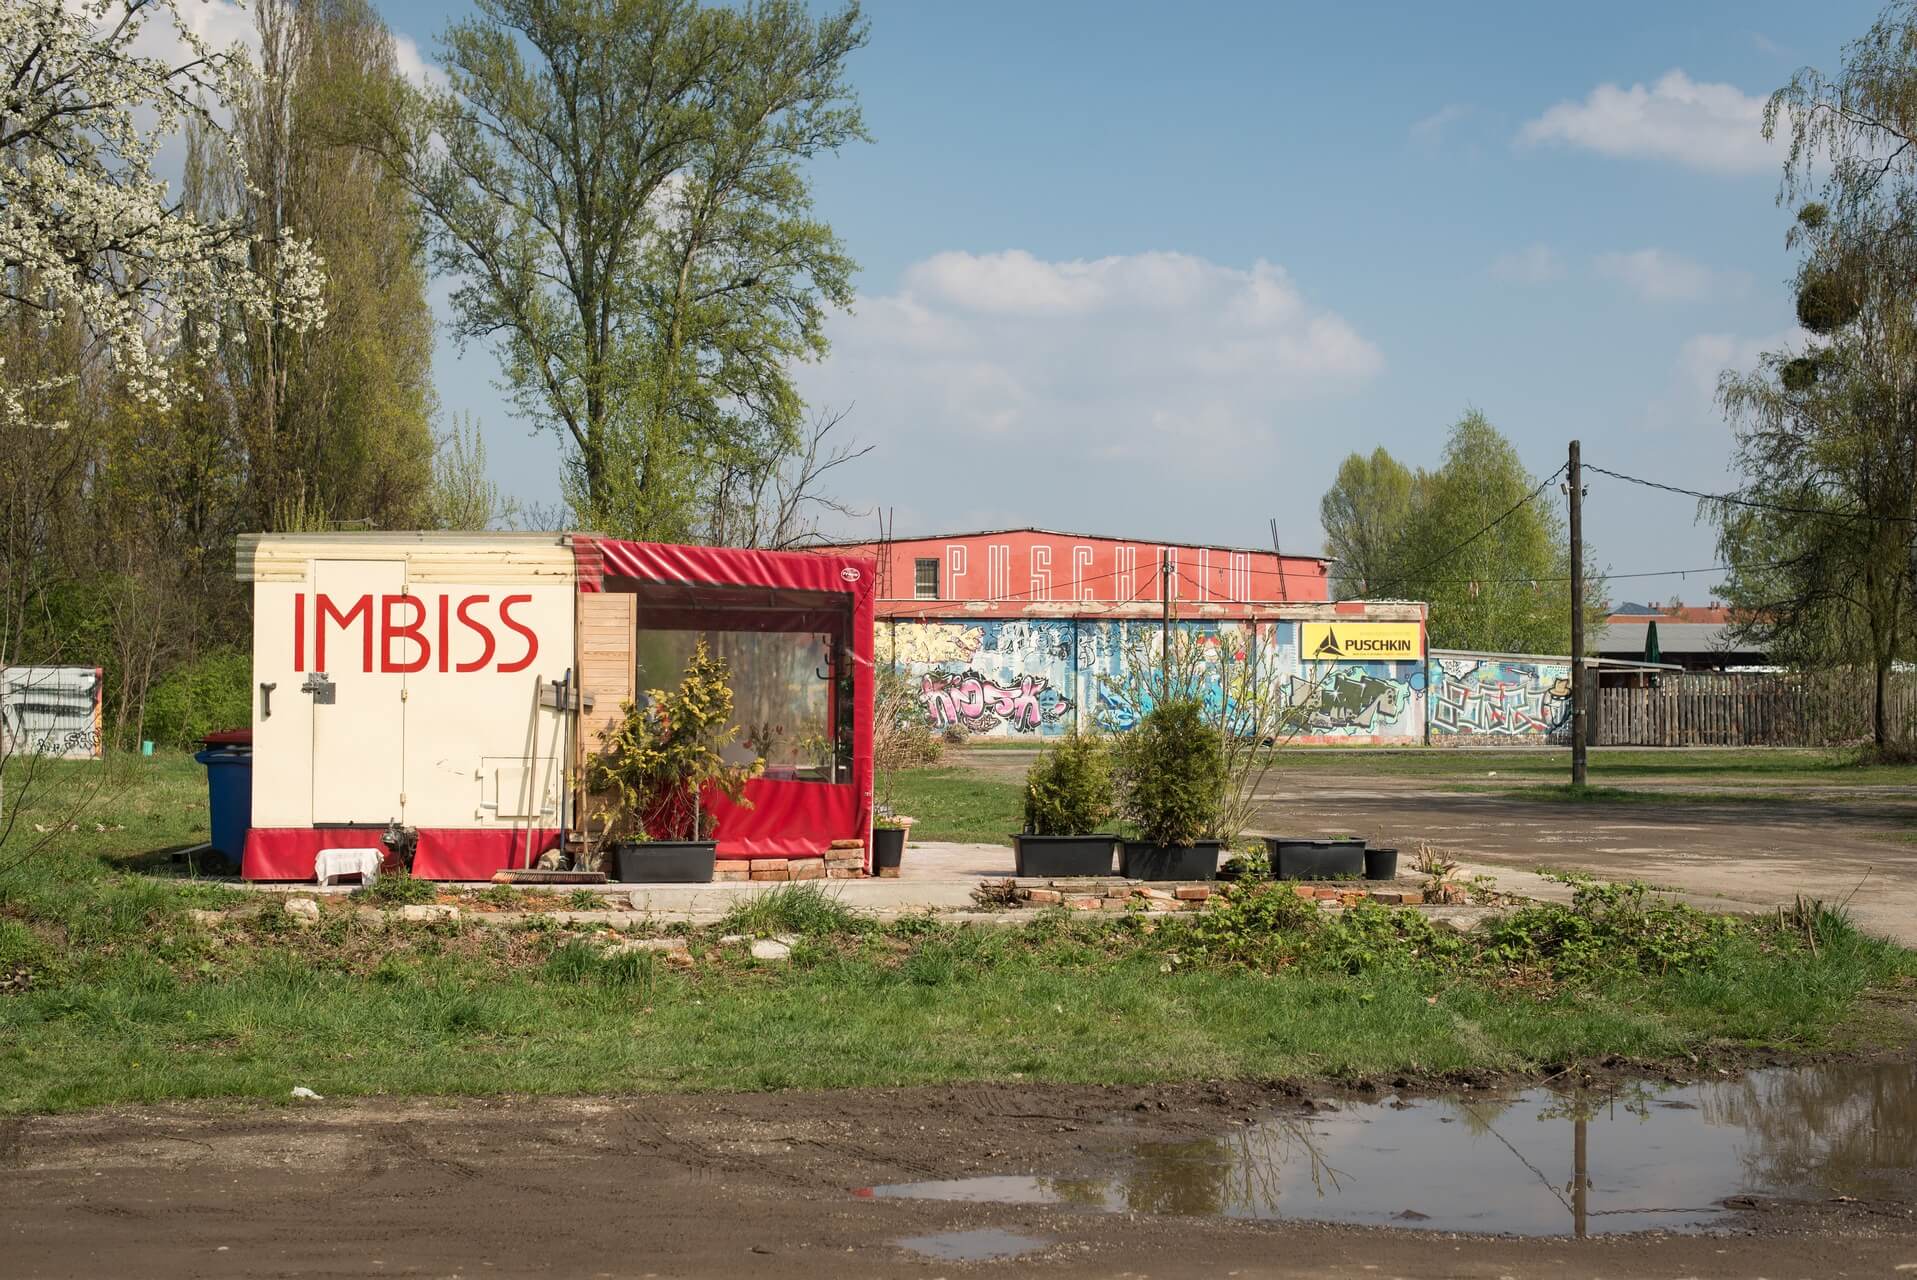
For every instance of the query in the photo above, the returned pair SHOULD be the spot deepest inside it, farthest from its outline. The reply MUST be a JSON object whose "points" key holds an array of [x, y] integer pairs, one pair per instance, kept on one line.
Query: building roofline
{"points": [[1065, 533]]}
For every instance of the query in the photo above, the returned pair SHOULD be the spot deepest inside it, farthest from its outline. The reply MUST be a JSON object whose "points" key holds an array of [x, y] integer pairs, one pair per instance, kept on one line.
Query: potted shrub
{"points": [[1068, 796], [1172, 771], [655, 768]]}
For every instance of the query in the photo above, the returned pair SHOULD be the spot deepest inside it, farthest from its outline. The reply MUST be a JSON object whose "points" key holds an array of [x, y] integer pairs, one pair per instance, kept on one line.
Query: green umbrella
{"points": [[1651, 652]]}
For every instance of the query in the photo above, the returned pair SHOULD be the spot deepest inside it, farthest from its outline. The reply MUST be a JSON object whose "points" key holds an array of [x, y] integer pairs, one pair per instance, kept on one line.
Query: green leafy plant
{"points": [[1172, 774], [888, 822], [1068, 790], [658, 760], [399, 889]]}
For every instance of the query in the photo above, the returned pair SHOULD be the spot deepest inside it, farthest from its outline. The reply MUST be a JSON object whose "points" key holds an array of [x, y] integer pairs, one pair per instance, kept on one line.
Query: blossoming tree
{"points": [[87, 231]]}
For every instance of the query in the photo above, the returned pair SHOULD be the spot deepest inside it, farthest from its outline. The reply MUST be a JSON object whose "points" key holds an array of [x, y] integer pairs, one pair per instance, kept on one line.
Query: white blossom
{"points": [[88, 231]]}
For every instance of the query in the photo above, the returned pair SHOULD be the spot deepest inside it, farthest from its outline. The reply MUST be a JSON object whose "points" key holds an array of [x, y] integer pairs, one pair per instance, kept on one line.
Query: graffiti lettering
{"points": [[1504, 699], [976, 704], [1348, 702]]}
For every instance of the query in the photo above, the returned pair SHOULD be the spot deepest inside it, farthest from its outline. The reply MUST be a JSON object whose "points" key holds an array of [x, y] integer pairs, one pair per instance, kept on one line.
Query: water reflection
{"points": [[1537, 1162]]}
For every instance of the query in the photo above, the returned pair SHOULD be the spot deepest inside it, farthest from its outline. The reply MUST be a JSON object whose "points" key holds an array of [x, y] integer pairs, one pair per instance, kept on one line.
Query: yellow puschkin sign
{"points": [[1360, 641]]}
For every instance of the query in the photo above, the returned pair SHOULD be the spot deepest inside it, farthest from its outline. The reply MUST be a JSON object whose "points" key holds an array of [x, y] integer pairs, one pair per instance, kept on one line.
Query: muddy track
{"points": [[744, 1184]]}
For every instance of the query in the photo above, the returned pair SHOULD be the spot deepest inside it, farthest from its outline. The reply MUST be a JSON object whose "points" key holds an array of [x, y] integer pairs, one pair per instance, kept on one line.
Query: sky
{"points": [[1154, 270]]}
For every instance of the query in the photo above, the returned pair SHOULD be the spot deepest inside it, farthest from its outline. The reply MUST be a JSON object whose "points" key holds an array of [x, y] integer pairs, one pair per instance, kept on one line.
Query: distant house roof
{"points": [[1627, 638], [1626, 613]]}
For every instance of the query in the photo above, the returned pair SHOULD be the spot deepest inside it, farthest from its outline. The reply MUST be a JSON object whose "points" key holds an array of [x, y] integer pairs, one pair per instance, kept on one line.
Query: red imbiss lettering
{"points": [[425, 622]]}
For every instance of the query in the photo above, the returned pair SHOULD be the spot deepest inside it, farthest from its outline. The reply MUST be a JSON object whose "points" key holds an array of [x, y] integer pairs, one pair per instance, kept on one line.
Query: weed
{"points": [[398, 889], [503, 896], [585, 900], [801, 908]]}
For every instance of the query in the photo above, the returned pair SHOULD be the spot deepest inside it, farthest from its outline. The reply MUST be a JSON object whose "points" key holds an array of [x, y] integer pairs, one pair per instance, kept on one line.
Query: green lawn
{"points": [[110, 993], [951, 803]]}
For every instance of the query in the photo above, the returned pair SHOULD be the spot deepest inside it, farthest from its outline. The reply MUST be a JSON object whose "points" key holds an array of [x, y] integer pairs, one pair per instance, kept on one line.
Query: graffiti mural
{"points": [[991, 678], [1502, 697], [976, 704], [50, 711], [1349, 701], [1341, 701], [1118, 695]]}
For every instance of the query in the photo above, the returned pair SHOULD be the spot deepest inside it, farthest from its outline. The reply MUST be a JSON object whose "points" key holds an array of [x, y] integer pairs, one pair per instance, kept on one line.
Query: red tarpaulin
{"points": [[786, 818]]}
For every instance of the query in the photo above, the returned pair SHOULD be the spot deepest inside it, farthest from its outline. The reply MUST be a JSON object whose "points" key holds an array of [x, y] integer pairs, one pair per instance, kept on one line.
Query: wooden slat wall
{"points": [[1700, 709], [608, 624]]}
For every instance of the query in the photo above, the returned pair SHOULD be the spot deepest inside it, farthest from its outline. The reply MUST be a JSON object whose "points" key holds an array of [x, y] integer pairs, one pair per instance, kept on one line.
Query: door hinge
{"points": [[402, 798], [402, 695]]}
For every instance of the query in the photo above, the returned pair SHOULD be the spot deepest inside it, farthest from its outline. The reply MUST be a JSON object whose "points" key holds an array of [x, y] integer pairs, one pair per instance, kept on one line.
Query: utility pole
{"points": [[1164, 625], [1574, 489]]}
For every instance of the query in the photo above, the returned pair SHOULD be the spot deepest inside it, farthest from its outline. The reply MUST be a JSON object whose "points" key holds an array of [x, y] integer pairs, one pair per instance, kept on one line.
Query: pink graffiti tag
{"points": [[974, 702]]}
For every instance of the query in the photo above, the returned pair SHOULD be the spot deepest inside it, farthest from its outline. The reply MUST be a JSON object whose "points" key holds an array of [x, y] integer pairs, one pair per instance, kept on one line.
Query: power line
{"points": [[1733, 500], [1440, 558]]}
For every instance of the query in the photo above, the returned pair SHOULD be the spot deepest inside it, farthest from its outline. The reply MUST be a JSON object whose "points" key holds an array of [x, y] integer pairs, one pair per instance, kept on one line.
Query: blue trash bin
{"points": [[229, 795]]}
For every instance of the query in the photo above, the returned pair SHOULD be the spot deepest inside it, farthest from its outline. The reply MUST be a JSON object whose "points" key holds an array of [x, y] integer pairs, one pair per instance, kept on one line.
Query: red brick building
{"points": [[999, 573]]}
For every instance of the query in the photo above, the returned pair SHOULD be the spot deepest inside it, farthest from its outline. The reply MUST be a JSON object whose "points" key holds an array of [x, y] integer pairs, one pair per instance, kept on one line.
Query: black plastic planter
{"points": [[1143, 861], [1062, 855], [888, 848], [665, 861], [1381, 864], [1293, 859]]}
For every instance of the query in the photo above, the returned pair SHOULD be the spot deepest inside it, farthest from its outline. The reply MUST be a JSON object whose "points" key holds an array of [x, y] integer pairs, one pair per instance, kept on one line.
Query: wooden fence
{"points": [[1704, 709]]}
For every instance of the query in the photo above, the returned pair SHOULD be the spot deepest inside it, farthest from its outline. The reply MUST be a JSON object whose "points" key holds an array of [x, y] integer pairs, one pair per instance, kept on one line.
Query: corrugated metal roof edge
{"points": [[1065, 533]]}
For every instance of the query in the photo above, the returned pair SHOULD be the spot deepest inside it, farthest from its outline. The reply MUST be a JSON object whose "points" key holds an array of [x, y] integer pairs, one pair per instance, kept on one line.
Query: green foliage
{"points": [[654, 272], [398, 889], [1367, 517], [211, 693], [1608, 927], [1172, 774], [1068, 789], [801, 908], [656, 762]]}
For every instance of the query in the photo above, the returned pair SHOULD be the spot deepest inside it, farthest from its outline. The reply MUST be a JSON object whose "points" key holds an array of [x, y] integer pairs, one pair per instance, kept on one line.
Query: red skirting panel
{"points": [[444, 853], [787, 819]]}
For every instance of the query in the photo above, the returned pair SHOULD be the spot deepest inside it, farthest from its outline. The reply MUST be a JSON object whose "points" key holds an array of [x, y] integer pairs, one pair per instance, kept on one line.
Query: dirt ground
{"points": [[740, 1185], [1814, 839], [1748, 854]]}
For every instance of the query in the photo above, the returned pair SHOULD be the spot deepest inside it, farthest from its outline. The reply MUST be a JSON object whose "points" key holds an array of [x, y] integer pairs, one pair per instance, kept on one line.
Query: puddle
{"points": [[972, 1246], [1536, 1162]]}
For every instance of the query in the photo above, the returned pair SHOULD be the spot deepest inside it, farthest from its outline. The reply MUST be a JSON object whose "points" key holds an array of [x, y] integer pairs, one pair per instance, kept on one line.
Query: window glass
{"points": [[781, 695]]}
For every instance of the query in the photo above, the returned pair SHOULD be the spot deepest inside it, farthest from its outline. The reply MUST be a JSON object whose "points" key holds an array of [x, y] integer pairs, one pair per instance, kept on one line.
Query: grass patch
{"points": [[954, 804], [110, 993], [790, 908]]}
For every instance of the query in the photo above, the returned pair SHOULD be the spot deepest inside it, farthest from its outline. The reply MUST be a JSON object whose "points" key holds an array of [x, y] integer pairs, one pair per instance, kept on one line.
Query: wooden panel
{"points": [[607, 623]]}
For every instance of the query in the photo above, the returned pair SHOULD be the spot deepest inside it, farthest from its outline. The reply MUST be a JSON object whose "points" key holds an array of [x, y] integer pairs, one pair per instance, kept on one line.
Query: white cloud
{"points": [[413, 65], [1689, 401], [1532, 265], [1712, 127], [1657, 275], [1160, 361], [1429, 132]]}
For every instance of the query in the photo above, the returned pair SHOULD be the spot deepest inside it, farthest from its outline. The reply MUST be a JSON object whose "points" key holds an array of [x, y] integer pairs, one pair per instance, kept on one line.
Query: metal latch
{"points": [[561, 696], [320, 687]]}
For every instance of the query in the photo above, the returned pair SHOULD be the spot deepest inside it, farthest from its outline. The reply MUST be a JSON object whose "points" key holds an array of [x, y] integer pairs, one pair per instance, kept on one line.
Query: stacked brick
{"points": [[845, 860]]}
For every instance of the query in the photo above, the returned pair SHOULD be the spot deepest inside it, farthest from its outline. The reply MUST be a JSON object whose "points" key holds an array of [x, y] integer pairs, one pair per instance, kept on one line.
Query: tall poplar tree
{"points": [[618, 187]]}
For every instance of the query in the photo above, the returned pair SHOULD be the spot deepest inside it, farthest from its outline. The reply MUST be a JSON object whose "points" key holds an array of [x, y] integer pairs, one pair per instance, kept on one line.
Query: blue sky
{"points": [[1154, 270]]}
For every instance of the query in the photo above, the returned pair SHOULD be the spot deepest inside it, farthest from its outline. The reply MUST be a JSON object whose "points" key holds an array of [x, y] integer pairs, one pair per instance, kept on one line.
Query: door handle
{"points": [[266, 699]]}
